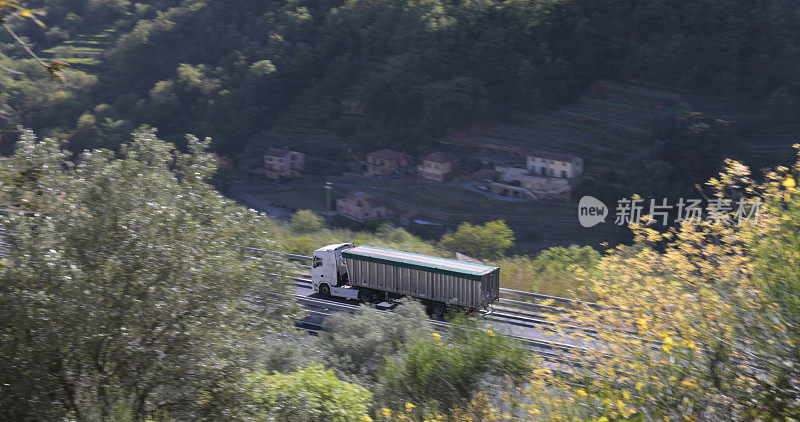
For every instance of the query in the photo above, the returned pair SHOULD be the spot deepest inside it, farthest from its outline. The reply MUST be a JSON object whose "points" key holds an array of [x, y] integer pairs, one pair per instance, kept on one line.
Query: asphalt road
{"points": [[503, 325]]}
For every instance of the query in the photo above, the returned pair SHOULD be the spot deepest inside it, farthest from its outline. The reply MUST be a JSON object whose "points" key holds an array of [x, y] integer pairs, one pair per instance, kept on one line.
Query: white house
{"points": [[552, 164], [546, 174]]}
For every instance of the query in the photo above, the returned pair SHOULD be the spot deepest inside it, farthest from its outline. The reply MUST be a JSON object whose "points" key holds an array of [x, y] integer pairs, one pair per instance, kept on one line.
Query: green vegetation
{"points": [[125, 293], [146, 307], [489, 240], [442, 374], [551, 272], [305, 221], [311, 394], [714, 308], [125, 290], [301, 198], [230, 70]]}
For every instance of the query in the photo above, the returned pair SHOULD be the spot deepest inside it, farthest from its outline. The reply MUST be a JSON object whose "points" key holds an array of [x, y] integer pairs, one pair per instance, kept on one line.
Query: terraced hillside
{"points": [[307, 121], [606, 126], [769, 130], [613, 122], [84, 52]]}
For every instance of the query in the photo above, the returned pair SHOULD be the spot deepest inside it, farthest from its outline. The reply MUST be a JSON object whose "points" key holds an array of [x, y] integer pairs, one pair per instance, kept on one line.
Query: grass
{"points": [[305, 198], [440, 198]]}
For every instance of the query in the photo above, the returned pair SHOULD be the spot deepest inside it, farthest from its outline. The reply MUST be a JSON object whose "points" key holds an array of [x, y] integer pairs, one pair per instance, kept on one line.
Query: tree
{"points": [[306, 221], [699, 323], [124, 291], [311, 394], [443, 373], [356, 346], [490, 240]]}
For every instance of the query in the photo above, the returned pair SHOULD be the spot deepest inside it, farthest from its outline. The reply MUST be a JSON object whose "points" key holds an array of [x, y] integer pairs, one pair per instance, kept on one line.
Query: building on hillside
{"points": [[437, 166], [546, 175], [386, 162], [551, 164], [361, 206], [283, 163]]}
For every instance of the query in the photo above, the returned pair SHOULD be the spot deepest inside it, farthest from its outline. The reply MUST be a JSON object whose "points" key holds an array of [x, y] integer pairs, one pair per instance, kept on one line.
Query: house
{"points": [[283, 163], [387, 163], [361, 206], [551, 164], [437, 166], [546, 174]]}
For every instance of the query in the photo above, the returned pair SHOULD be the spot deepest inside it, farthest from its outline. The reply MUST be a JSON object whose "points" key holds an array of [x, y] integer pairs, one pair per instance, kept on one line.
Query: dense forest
{"points": [[229, 69]]}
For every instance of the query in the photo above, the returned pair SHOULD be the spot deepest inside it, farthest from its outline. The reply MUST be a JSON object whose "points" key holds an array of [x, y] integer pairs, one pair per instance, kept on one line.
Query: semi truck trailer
{"points": [[372, 274]]}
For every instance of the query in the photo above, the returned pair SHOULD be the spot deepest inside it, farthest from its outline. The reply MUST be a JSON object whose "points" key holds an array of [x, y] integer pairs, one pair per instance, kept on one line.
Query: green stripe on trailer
{"points": [[415, 261]]}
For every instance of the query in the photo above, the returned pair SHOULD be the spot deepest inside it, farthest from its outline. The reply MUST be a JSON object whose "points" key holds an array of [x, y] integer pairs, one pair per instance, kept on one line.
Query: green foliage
{"points": [[305, 221], [775, 332], [357, 345], [443, 372], [563, 258], [302, 245], [311, 394], [489, 240], [714, 308], [124, 290], [551, 272], [421, 67]]}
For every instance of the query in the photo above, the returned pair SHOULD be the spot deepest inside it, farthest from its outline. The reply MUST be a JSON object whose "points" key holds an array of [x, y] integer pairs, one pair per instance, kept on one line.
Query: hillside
{"points": [[232, 70]]}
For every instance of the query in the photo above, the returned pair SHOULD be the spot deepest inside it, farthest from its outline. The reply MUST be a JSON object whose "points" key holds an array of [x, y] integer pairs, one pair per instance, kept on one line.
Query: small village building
{"points": [[437, 166], [386, 162], [283, 163], [552, 164], [361, 206], [546, 175]]}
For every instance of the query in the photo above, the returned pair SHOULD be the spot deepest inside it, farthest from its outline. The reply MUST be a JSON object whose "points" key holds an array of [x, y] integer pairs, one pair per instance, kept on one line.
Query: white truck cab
{"points": [[372, 275], [329, 274]]}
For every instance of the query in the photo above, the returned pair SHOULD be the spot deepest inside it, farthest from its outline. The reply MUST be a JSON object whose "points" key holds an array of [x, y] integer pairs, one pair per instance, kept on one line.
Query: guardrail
{"points": [[503, 291], [549, 350]]}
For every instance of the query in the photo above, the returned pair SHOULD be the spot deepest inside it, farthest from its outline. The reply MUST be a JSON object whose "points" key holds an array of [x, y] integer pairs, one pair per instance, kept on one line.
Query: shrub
{"points": [[306, 221], [480, 241], [311, 394]]}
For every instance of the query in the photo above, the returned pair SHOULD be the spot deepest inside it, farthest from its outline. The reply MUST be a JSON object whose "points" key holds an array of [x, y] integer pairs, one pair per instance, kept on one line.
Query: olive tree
{"points": [[124, 289]]}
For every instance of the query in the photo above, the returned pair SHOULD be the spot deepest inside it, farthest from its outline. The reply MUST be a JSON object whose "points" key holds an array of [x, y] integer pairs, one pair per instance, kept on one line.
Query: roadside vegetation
{"points": [[147, 308]]}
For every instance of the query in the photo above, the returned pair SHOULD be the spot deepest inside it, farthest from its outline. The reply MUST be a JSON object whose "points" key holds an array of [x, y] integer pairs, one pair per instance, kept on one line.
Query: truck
{"points": [[371, 274]]}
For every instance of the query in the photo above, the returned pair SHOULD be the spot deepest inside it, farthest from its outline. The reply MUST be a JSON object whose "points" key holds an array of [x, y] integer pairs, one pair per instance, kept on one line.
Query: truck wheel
{"points": [[438, 309], [324, 290], [364, 296]]}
